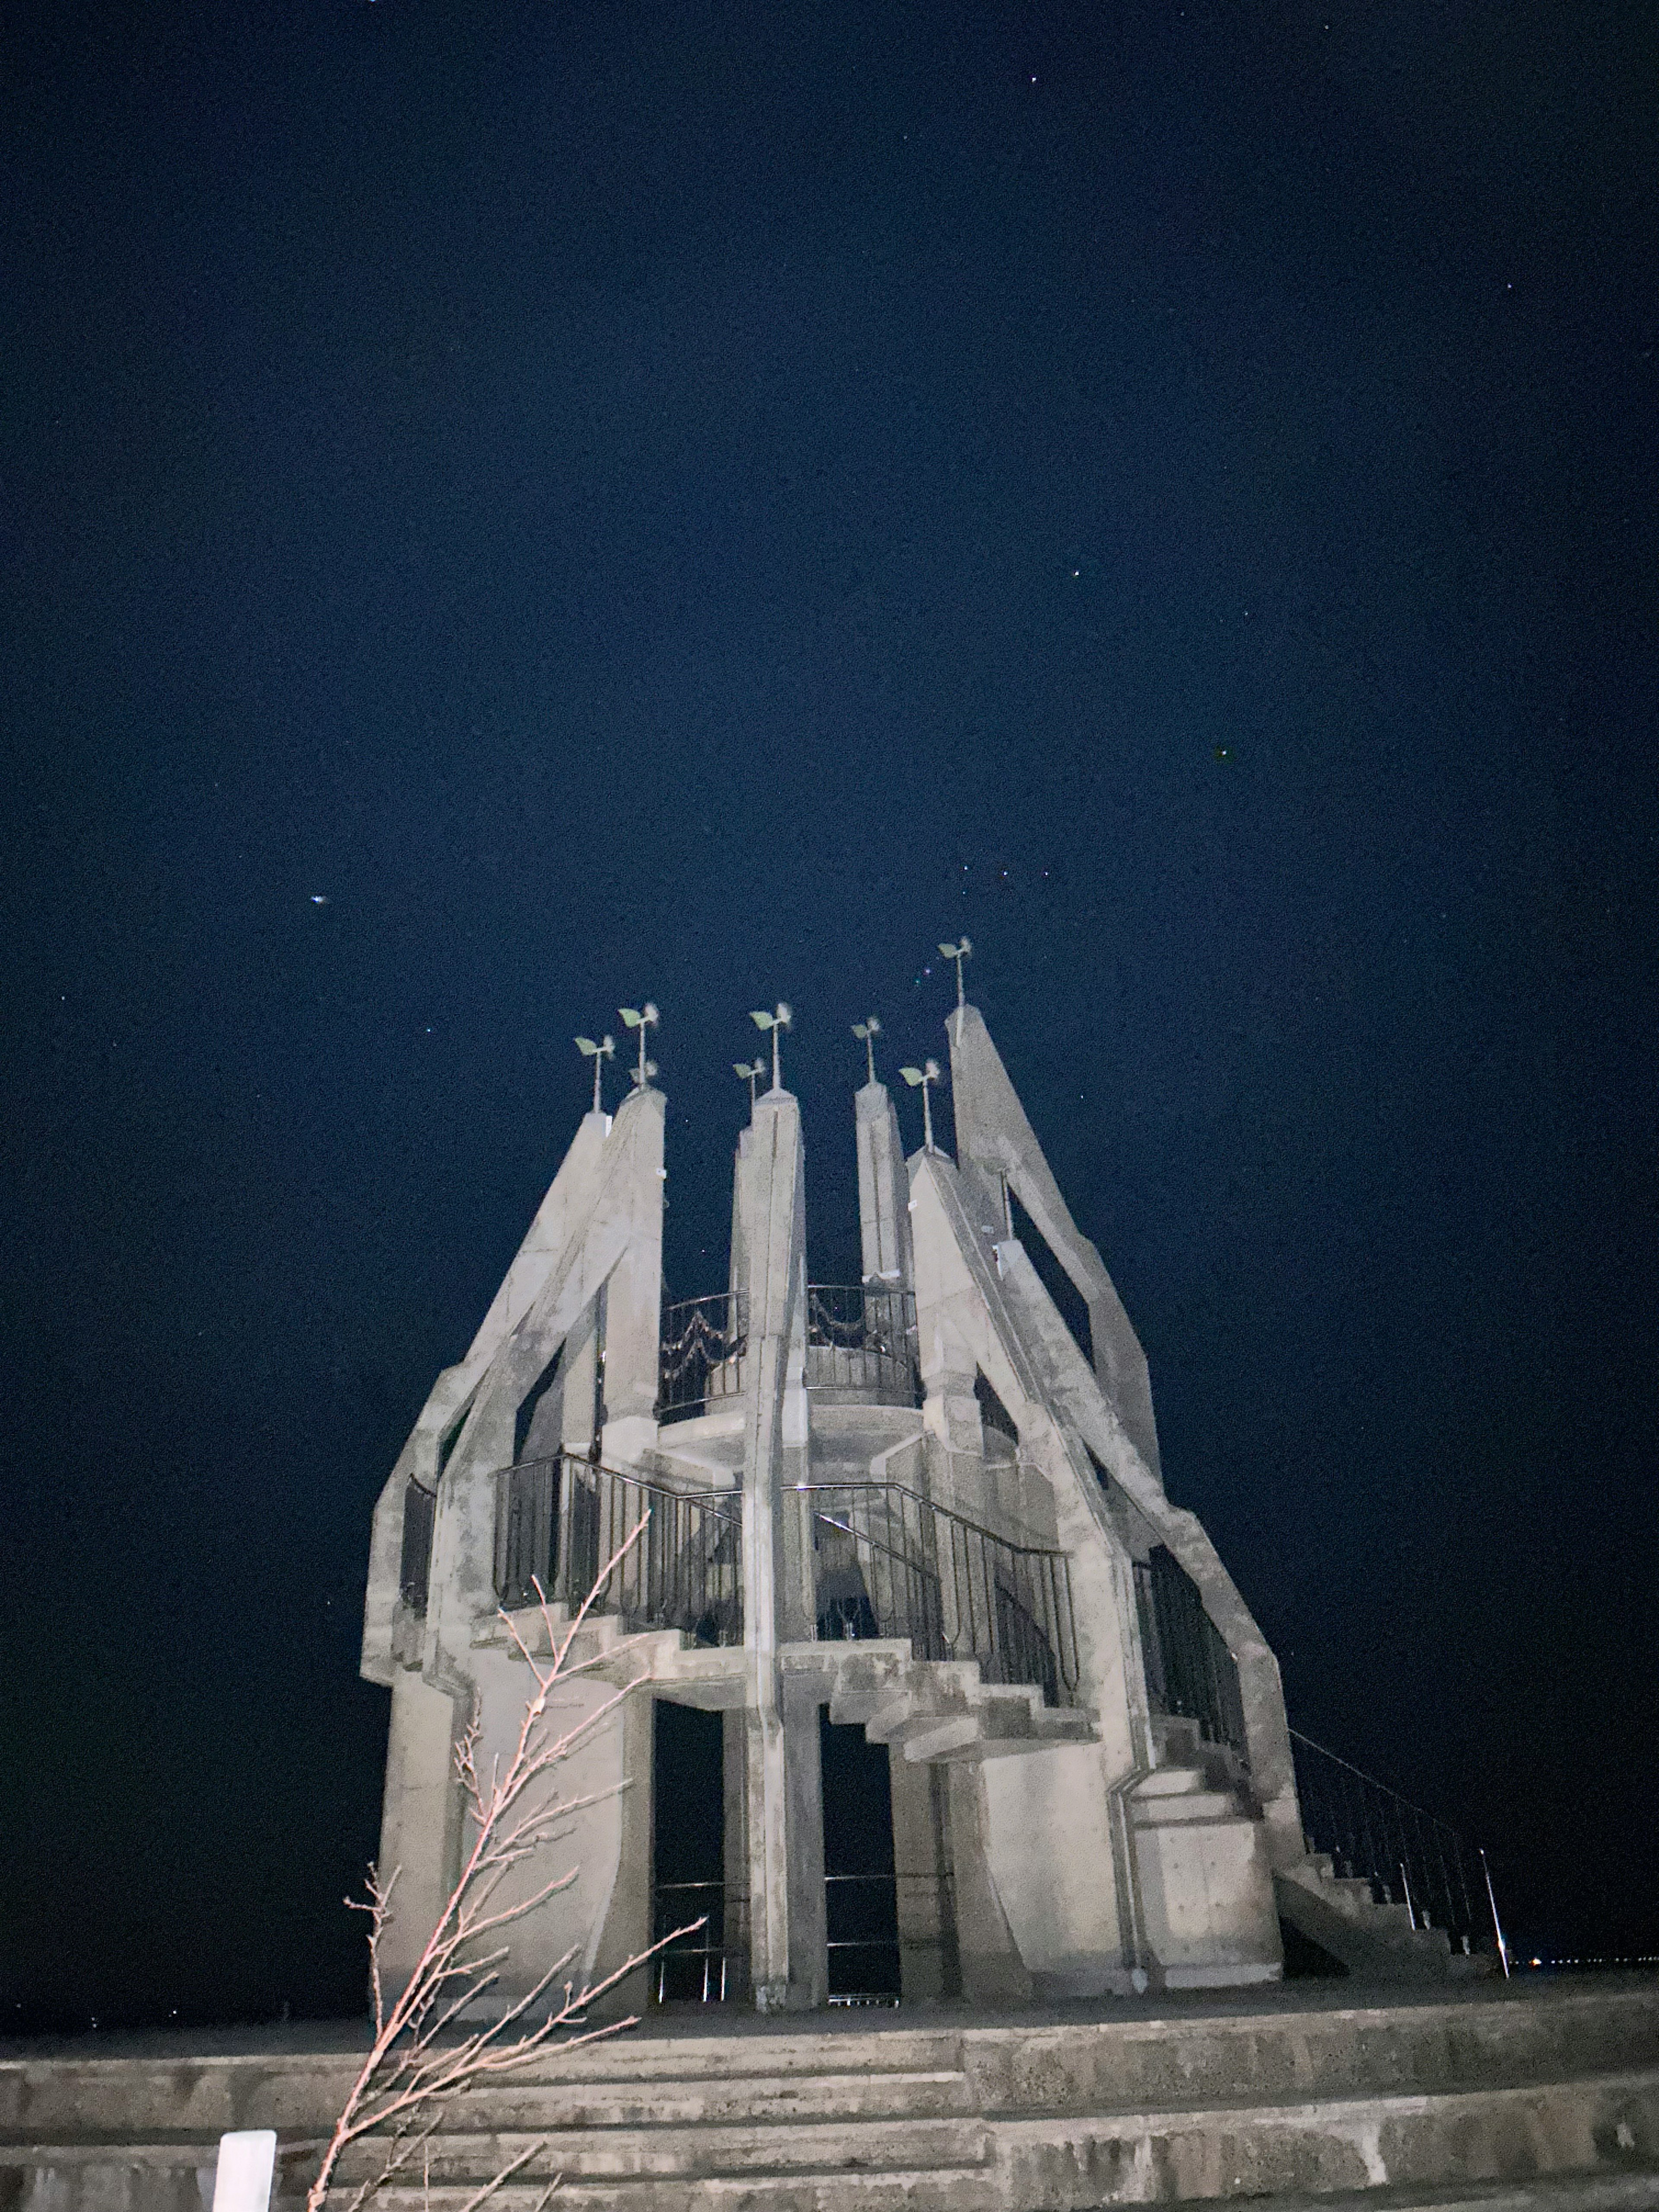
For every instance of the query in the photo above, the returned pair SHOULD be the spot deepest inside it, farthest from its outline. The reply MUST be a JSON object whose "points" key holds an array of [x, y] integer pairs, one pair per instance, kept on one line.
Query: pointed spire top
{"points": [[926, 1076], [642, 1019], [779, 1021], [866, 1033], [752, 1070], [958, 953], [598, 1054]]}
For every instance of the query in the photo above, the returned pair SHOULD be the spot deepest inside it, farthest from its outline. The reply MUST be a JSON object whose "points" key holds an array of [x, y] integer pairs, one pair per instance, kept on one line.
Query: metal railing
{"points": [[1409, 1856], [703, 1344], [558, 1521], [861, 1938], [1190, 1670], [695, 1967], [863, 1340], [415, 1567], [891, 1563]]}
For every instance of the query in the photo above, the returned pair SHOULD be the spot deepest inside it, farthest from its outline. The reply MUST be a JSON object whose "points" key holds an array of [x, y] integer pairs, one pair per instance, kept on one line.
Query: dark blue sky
{"points": [[703, 501]]}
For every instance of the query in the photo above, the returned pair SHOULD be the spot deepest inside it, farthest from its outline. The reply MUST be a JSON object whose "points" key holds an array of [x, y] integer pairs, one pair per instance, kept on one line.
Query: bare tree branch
{"points": [[411, 2069]]}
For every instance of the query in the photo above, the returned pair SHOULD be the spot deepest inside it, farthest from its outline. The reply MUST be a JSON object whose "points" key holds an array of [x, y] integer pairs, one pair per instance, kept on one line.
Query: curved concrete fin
{"points": [[603, 1214], [993, 1136]]}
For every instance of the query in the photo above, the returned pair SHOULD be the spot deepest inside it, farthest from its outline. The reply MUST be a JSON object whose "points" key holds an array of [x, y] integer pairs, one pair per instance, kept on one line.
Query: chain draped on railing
{"points": [[1409, 1856], [1190, 1670], [891, 1563], [863, 1340], [703, 1344], [558, 1521]]}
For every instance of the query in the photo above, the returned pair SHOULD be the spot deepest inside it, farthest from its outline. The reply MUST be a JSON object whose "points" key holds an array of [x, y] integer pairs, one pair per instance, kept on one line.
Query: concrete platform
{"points": [[1534, 2096]]}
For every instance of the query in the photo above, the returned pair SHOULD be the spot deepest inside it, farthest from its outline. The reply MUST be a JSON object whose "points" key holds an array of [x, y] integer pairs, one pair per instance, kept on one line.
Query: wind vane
{"points": [[958, 953], [927, 1075], [598, 1054], [780, 1020], [866, 1033], [753, 1069], [642, 1019]]}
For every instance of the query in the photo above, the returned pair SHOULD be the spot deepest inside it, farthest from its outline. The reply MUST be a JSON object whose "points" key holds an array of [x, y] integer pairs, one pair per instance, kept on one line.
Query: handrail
{"points": [[559, 1520], [898, 1564], [1372, 1832]]}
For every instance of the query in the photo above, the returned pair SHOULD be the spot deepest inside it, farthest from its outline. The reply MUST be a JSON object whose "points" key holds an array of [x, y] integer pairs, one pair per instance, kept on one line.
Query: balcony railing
{"points": [[1189, 1669], [891, 1563], [559, 1520], [863, 1340], [703, 1346]]}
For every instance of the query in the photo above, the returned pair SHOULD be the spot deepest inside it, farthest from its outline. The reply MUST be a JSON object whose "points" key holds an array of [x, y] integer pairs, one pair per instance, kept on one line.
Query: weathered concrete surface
{"points": [[1543, 2090]]}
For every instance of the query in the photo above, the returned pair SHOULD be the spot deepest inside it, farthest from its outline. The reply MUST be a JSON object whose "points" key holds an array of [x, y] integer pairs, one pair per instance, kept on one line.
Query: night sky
{"points": [[510, 509]]}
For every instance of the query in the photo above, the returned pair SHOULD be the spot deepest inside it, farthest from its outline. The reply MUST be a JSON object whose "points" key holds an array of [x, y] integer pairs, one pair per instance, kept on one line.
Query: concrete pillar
{"points": [[626, 1927], [929, 1968], [419, 1821], [633, 1294], [772, 1194], [883, 1190], [734, 1763], [992, 1972], [809, 1981]]}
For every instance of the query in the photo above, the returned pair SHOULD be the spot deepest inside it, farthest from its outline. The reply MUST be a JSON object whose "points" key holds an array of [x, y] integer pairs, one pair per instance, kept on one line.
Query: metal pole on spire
{"points": [[866, 1033], [958, 953], [753, 1069], [642, 1019], [926, 1076], [780, 1020], [598, 1054]]}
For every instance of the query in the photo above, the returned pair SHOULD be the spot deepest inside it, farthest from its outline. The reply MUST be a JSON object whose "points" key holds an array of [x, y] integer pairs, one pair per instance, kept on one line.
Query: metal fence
{"points": [[704, 1342], [1409, 1856], [891, 1563], [693, 1965], [558, 1521], [1189, 1669], [863, 1340], [415, 1567]]}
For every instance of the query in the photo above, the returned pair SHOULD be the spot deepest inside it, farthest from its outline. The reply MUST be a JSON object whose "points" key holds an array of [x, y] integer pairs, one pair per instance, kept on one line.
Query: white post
{"points": [[241, 2181]]}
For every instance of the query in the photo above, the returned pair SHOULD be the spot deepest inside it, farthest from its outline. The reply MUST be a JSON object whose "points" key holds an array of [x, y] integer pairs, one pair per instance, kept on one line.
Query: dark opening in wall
{"points": [[993, 1414], [1067, 1298]]}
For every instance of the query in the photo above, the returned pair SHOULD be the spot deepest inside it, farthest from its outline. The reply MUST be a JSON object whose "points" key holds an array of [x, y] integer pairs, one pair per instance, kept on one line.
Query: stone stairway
{"points": [[1546, 2099], [1377, 1942], [940, 1710]]}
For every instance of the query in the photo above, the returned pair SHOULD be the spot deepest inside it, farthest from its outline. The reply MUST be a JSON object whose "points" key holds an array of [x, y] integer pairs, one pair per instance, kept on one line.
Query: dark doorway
{"points": [[860, 1892], [689, 1869]]}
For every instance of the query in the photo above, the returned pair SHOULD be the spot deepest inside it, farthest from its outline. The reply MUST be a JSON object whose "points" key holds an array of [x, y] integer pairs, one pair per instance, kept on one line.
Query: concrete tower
{"points": [[962, 1705]]}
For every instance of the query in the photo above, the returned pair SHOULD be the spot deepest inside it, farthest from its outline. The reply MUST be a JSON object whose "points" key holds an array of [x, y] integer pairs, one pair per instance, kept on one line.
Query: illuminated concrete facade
{"points": [[919, 1508]]}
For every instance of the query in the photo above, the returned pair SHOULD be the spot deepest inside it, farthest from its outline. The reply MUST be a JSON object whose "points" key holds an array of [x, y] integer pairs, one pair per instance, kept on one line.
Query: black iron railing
{"points": [[1409, 1856], [558, 1522], [1190, 1670], [415, 1567], [863, 1340], [703, 1344], [891, 1563], [693, 1965]]}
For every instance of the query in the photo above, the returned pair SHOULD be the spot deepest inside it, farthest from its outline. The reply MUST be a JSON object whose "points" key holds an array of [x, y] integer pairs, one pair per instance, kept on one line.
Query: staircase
{"points": [[1501, 2101], [943, 1710]]}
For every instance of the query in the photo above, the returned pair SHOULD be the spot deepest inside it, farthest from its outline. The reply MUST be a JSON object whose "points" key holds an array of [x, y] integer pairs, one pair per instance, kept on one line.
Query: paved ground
{"points": [[326, 2037]]}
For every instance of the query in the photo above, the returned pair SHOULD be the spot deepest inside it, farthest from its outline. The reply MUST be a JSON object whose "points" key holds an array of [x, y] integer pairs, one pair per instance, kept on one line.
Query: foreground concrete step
{"points": [[1072, 2163], [631, 2153], [756, 2101], [945, 2189]]}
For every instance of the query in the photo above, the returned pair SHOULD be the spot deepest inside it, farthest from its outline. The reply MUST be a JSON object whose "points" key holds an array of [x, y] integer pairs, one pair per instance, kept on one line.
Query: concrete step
{"points": [[1192, 1805], [1190, 2151], [619, 2153], [1377, 1943], [945, 2189], [1172, 1781], [531, 2107]]}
